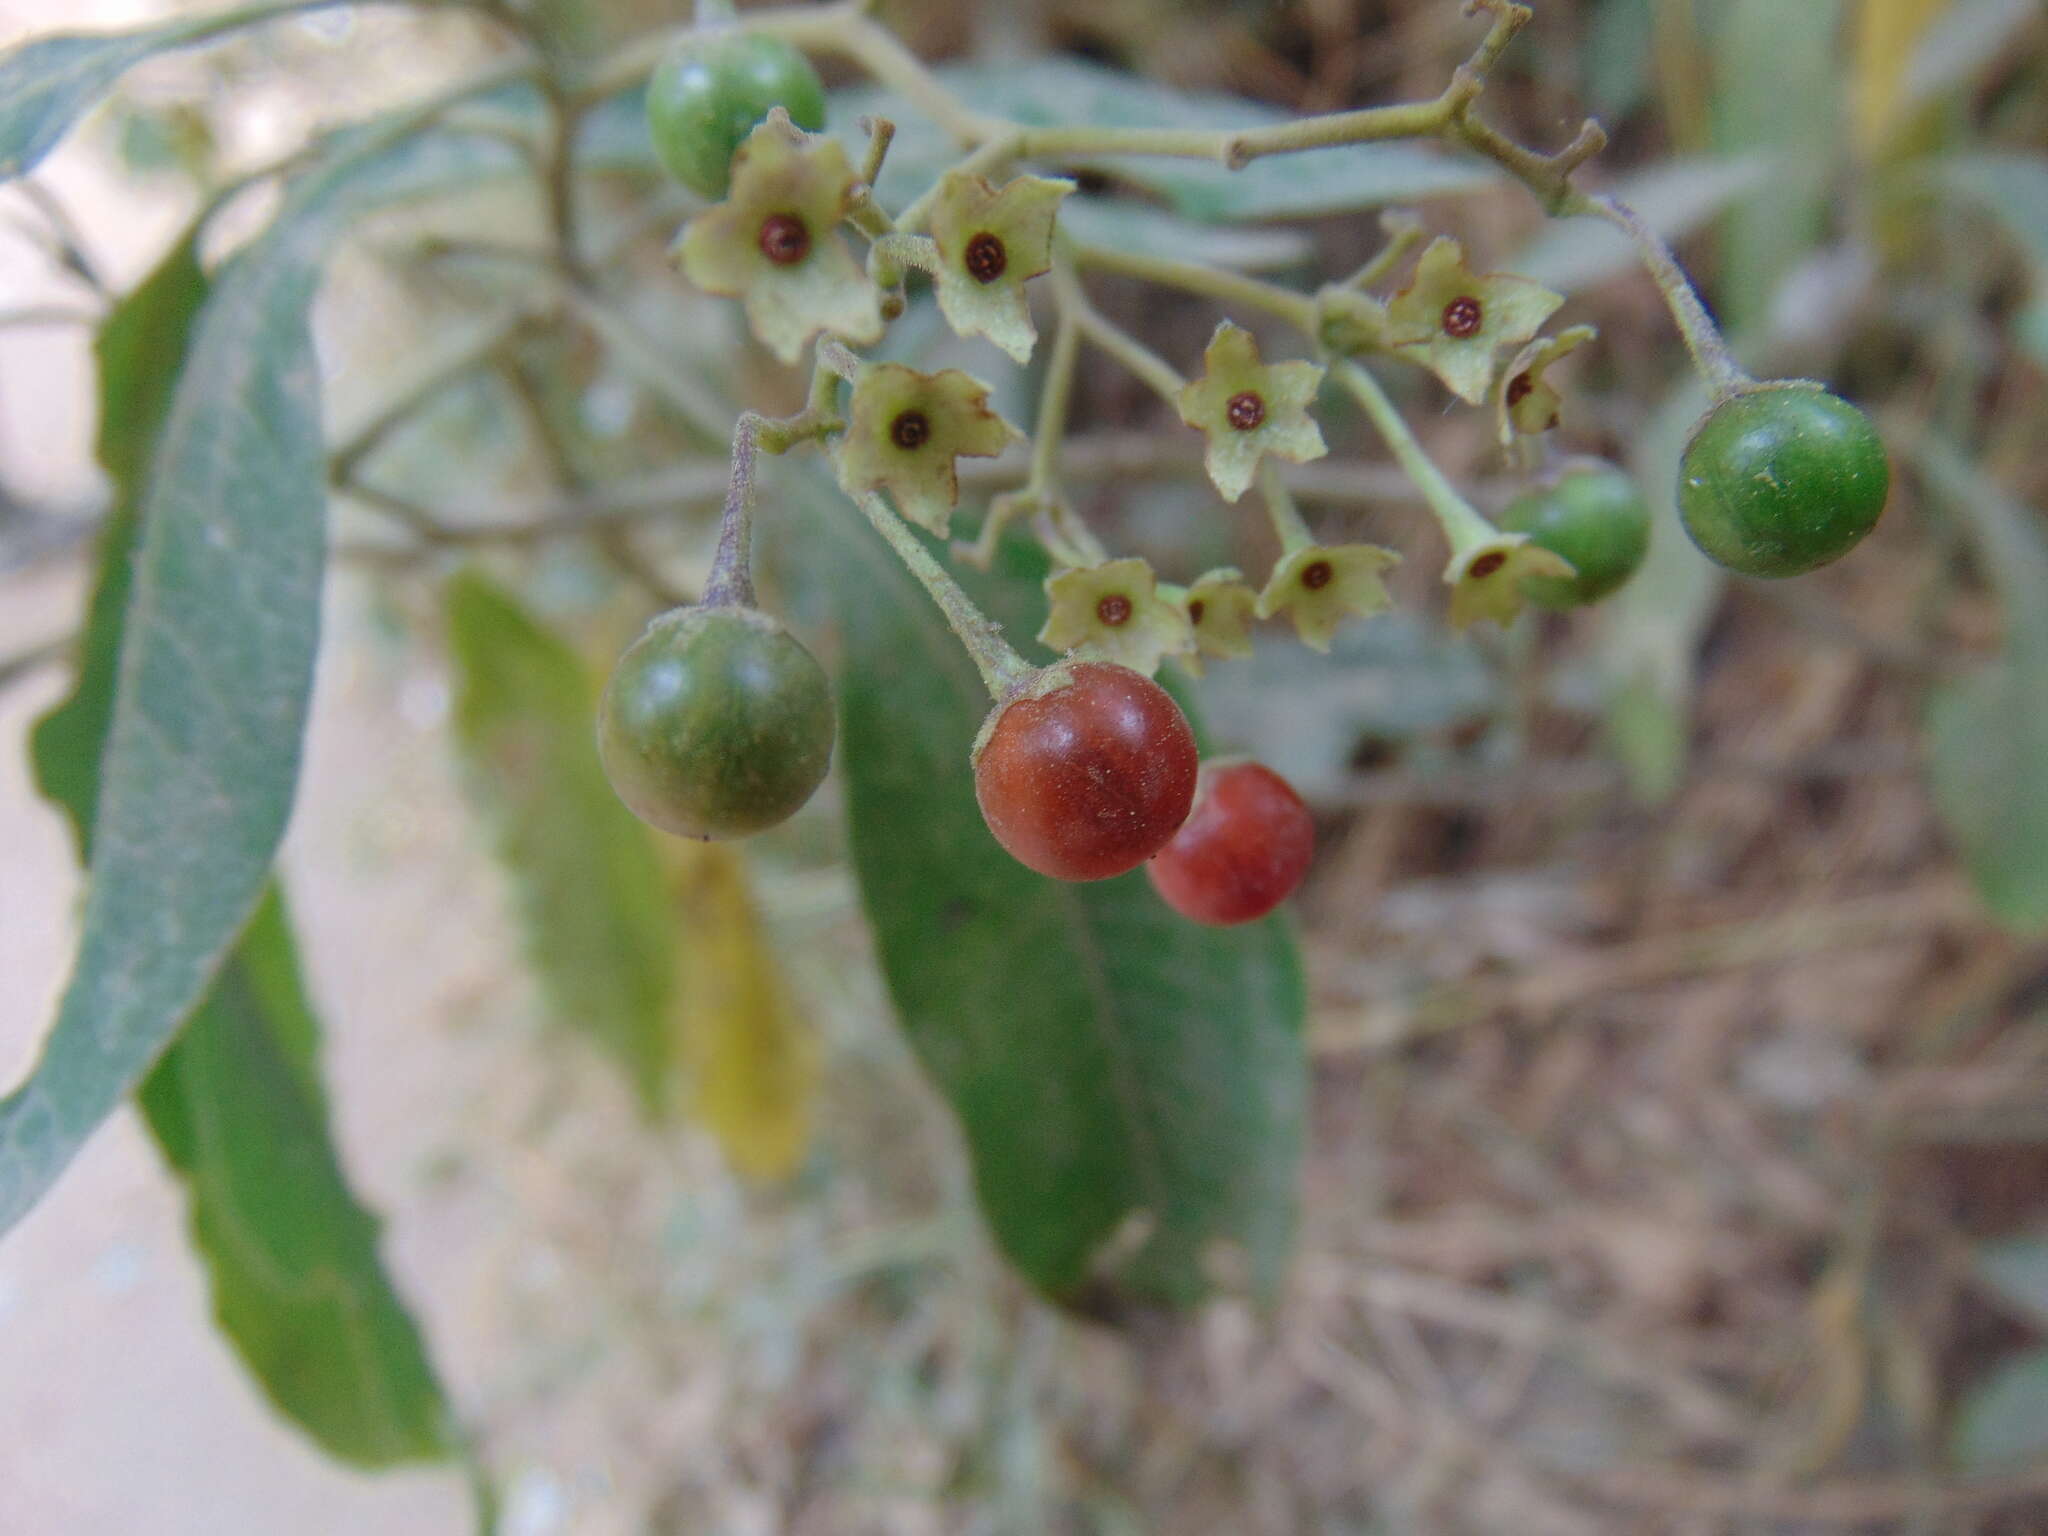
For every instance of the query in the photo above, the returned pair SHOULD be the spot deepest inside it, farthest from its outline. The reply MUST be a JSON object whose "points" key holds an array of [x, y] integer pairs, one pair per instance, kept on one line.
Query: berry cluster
{"points": [[717, 723]]}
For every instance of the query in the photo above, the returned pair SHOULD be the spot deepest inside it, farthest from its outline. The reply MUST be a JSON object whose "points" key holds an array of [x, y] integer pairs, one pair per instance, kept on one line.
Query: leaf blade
{"points": [[215, 668], [593, 903], [242, 1074], [47, 83], [1131, 1086]]}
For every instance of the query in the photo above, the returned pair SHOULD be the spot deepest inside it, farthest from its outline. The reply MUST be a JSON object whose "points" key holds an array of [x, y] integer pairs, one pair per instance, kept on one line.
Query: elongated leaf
{"points": [[202, 751], [2005, 1419], [594, 908], [1888, 36], [1777, 94], [1675, 198], [753, 1063], [291, 1258], [1652, 627], [1046, 91], [1987, 733], [2013, 188], [1131, 1086], [2018, 1269], [47, 82]]}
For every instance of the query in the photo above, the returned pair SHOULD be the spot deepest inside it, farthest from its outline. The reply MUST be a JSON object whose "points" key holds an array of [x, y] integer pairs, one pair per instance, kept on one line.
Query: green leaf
{"points": [[592, 899], [1131, 1085], [2017, 1269], [1987, 733], [1139, 229], [222, 620], [1675, 198], [1777, 72], [291, 1256], [1650, 629], [236, 1104], [46, 83], [1048, 91], [2013, 189], [2004, 1419]]}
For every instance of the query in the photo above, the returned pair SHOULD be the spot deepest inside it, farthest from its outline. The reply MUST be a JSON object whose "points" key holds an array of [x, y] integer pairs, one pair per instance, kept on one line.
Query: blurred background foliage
{"points": [[1676, 1132]]}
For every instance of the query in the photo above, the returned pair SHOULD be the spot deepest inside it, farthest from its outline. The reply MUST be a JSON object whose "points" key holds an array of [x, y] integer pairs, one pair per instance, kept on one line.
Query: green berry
{"points": [[716, 723], [712, 89], [1782, 479], [1593, 517]]}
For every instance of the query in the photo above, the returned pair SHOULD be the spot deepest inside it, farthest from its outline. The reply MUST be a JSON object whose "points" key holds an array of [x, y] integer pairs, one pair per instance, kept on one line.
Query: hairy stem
{"points": [[1297, 309], [1002, 669], [1462, 523], [1710, 354]]}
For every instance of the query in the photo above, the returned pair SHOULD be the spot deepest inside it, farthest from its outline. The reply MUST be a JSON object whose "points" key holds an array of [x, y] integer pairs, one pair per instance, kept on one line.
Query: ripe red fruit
{"points": [[1087, 772], [1241, 852]]}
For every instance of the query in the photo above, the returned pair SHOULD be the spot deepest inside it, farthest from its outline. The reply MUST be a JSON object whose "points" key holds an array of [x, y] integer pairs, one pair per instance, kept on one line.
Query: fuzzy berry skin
{"points": [[717, 723], [711, 90], [1086, 772], [1782, 479], [1242, 851], [1593, 517]]}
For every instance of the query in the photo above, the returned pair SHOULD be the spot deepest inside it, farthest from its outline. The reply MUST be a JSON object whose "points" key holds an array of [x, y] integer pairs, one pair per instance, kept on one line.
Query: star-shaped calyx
{"points": [[1115, 611], [1319, 586], [1526, 404], [774, 242], [1220, 606], [1486, 577], [1246, 409], [1455, 322], [991, 242], [904, 430]]}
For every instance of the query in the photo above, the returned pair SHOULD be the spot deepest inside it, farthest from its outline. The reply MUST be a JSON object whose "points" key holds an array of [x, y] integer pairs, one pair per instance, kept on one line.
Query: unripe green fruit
{"points": [[1594, 517], [1782, 479], [716, 723], [711, 90]]}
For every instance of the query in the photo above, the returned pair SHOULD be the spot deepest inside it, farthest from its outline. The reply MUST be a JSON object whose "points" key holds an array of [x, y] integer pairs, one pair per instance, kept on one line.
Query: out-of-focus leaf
{"points": [[202, 751], [1650, 629], [1987, 732], [1616, 56], [1675, 198], [1046, 91], [2005, 1419], [1131, 1086], [47, 82], [752, 1061], [1777, 72], [2013, 188], [291, 1258], [2017, 1269], [1965, 37], [1140, 229], [1888, 36], [591, 897], [1389, 679]]}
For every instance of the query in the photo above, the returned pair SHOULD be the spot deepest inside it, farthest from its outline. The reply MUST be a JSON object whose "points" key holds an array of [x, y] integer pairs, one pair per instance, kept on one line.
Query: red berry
{"points": [[1087, 772], [1241, 852]]}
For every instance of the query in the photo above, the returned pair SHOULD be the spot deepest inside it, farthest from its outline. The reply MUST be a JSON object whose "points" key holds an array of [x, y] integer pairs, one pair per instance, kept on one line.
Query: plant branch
{"points": [[1002, 670]]}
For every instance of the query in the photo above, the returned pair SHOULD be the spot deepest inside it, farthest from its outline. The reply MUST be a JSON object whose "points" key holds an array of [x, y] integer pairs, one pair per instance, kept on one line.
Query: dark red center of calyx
{"points": [[784, 240], [1487, 564], [986, 258], [910, 430], [1114, 610], [1195, 611], [1520, 387], [1317, 576], [1463, 317], [1245, 410]]}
